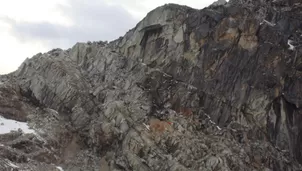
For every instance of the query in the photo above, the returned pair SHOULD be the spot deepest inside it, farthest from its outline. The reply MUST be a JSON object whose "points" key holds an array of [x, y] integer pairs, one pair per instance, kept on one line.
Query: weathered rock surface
{"points": [[186, 89]]}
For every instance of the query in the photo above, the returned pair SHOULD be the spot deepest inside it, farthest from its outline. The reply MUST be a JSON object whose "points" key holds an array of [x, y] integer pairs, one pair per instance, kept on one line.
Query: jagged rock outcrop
{"points": [[186, 89]]}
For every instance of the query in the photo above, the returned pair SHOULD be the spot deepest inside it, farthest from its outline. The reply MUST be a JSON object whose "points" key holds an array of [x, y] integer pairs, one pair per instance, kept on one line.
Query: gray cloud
{"points": [[94, 20]]}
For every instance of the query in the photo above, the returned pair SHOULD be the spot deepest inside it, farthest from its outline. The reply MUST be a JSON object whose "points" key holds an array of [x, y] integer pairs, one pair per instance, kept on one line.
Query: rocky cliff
{"points": [[186, 89]]}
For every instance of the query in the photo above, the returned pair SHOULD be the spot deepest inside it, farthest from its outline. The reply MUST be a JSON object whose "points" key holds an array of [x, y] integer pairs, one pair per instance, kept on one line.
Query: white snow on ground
{"points": [[13, 165], [269, 23], [59, 168], [8, 125], [9, 163], [53, 110], [147, 126], [291, 47], [213, 122]]}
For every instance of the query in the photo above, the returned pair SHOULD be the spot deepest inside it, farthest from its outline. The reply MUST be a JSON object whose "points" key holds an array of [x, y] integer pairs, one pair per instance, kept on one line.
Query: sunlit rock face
{"points": [[186, 89]]}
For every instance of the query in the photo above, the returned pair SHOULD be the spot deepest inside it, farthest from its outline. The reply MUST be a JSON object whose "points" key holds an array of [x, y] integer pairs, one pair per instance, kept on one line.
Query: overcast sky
{"points": [[28, 27]]}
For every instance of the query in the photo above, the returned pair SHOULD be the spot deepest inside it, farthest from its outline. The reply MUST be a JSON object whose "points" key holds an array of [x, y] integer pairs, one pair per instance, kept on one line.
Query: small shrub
{"points": [[185, 111], [158, 126]]}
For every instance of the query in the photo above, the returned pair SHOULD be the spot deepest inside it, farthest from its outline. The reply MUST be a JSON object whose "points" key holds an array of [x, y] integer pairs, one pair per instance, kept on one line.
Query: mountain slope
{"points": [[186, 89]]}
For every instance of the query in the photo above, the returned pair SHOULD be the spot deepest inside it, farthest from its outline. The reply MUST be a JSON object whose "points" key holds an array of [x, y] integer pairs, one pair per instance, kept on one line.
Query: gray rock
{"points": [[219, 2], [186, 89]]}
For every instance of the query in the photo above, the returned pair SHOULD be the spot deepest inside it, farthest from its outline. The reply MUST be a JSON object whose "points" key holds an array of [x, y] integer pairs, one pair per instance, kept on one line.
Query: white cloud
{"points": [[33, 10], [139, 8], [33, 26], [13, 52]]}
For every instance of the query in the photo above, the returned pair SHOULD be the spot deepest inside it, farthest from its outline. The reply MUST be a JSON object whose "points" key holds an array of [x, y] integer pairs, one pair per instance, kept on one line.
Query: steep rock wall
{"points": [[224, 81]]}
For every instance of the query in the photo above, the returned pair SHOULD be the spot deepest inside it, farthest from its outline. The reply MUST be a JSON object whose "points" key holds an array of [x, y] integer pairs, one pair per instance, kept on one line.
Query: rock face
{"points": [[186, 89]]}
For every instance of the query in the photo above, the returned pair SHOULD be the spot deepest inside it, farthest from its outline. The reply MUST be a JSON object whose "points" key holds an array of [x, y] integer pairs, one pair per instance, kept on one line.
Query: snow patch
{"points": [[9, 163], [12, 165], [191, 87], [212, 122], [147, 126], [267, 22], [207, 116], [59, 168], [8, 125], [167, 75], [54, 111], [291, 47]]}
